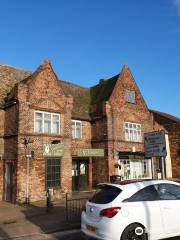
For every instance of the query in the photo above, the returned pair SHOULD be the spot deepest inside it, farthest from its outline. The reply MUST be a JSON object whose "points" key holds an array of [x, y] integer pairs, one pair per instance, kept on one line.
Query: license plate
{"points": [[90, 228]]}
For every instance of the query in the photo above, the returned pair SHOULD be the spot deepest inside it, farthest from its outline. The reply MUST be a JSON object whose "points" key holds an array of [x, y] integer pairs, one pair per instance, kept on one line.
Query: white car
{"points": [[147, 210]]}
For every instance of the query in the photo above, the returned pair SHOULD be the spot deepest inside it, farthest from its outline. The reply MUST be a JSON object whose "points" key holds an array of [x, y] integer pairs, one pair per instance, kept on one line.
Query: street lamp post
{"points": [[26, 141]]}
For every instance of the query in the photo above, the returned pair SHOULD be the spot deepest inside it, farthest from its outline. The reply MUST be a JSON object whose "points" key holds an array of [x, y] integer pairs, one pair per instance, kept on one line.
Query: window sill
{"points": [[47, 134], [130, 141]]}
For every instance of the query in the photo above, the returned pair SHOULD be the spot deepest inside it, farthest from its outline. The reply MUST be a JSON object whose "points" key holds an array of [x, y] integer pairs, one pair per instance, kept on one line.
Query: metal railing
{"points": [[74, 208]]}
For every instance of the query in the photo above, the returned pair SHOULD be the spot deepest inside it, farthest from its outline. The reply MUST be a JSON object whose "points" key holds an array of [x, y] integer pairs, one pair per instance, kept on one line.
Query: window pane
{"points": [[47, 116], [38, 126], [168, 191], [73, 129], [105, 194], [126, 125], [38, 122], [38, 116], [56, 118], [78, 130], [52, 172], [146, 194], [130, 96], [55, 127], [47, 126]]}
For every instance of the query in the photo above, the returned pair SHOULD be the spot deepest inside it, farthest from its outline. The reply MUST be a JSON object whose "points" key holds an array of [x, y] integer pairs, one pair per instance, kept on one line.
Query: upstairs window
{"points": [[76, 129], [133, 132], [130, 96], [47, 122]]}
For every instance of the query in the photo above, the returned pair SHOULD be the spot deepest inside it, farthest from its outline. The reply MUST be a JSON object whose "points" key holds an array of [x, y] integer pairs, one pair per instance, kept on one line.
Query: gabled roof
{"points": [[102, 91], [9, 76], [164, 118], [81, 99]]}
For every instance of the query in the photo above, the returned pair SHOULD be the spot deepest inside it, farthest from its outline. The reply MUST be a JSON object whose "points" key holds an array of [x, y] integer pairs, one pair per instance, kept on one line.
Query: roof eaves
{"points": [[166, 115]]}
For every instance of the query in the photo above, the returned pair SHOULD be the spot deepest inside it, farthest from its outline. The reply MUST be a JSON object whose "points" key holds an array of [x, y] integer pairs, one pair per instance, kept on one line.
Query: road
{"points": [[77, 235], [66, 235]]}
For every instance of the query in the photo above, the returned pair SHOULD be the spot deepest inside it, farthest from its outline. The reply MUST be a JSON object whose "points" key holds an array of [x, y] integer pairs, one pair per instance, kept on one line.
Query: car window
{"points": [[146, 194], [105, 194], [168, 191]]}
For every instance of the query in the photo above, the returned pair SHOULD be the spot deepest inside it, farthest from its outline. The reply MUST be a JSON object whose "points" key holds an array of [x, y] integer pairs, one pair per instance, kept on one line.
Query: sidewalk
{"points": [[16, 220]]}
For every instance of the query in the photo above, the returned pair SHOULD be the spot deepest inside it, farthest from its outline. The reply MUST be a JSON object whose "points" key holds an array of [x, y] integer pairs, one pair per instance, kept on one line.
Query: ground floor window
{"points": [[52, 172], [135, 169]]}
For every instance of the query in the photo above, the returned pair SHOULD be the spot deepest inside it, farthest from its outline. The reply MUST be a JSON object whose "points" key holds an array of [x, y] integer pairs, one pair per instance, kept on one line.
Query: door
{"points": [[79, 175], [8, 181], [170, 206]]}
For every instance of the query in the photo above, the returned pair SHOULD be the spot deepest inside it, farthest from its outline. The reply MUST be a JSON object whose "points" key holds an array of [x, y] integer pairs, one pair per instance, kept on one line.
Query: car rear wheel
{"points": [[134, 232]]}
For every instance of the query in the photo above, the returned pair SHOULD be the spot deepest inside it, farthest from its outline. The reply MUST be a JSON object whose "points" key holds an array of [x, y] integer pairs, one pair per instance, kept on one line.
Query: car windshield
{"points": [[105, 194]]}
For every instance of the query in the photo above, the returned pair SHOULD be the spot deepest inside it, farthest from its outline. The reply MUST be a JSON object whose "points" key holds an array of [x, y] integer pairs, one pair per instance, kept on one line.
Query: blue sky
{"points": [[90, 40]]}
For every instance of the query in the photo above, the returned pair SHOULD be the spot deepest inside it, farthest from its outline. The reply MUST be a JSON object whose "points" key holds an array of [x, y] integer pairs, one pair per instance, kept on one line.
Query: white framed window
{"points": [[135, 169], [130, 96], [132, 132], [76, 129], [45, 122]]}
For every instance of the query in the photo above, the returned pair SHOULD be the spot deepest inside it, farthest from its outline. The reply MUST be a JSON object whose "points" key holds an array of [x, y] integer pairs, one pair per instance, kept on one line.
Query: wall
{"points": [[119, 111], [1, 152], [174, 140], [42, 93]]}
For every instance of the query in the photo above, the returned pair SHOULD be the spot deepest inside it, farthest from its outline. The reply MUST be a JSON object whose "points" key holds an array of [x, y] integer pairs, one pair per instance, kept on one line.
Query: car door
{"points": [[170, 207], [145, 203]]}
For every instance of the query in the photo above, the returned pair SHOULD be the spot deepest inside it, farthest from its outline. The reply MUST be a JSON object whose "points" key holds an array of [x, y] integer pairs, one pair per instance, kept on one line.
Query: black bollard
{"points": [[49, 200]]}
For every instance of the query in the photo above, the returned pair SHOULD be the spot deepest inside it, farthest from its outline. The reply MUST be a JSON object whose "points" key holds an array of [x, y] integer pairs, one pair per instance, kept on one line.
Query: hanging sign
{"points": [[155, 144]]}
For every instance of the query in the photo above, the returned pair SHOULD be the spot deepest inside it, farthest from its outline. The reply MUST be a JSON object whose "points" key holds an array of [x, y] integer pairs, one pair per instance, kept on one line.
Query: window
{"points": [[146, 194], [52, 172], [105, 194], [168, 191], [133, 132], [47, 122], [134, 169], [130, 96], [76, 129]]}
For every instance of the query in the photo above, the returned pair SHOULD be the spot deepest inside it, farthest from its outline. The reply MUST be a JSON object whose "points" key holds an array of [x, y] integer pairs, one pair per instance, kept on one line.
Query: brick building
{"points": [[171, 126], [55, 134]]}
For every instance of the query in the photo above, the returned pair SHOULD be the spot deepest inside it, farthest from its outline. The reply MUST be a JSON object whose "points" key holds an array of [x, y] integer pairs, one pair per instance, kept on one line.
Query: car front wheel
{"points": [[134, 232]]}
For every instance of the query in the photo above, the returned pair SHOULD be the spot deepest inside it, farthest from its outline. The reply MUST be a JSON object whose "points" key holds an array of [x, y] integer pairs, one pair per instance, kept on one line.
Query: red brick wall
{"points": [[85, 141], [1, 152], [42, 93], [119, 112], [108, 125], [174, 140], [173, 130]]}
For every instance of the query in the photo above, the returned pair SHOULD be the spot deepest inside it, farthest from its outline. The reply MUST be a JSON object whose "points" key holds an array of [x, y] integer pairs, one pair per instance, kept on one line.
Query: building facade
{"points": [[55, 134], [171, 126]]}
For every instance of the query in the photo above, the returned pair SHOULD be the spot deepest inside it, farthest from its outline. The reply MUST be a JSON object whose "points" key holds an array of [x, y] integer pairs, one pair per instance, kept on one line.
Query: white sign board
{"points": [[155, 144]]}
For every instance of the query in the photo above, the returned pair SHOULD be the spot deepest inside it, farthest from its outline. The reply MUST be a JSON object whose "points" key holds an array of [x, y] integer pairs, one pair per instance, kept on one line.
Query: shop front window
{"points": [[135, 169]]}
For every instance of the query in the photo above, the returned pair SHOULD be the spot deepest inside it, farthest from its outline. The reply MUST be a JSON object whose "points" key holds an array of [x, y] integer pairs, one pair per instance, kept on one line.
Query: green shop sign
{"points": [[91, 153], [53, 150]]}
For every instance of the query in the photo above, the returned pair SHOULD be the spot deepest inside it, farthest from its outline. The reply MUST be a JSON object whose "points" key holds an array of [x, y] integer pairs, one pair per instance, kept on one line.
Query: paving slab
{"points": [[19, 220]]}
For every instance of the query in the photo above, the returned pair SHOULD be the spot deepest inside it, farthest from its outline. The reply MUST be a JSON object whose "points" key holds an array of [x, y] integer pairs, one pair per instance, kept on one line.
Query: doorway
{"points": [[79, 175], [8, 181]]}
